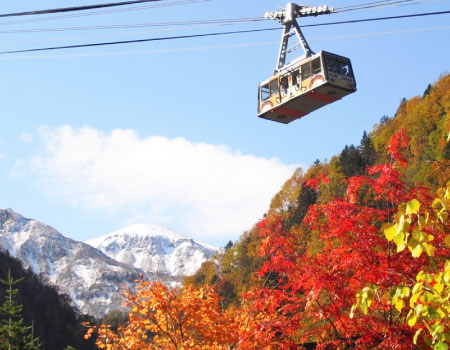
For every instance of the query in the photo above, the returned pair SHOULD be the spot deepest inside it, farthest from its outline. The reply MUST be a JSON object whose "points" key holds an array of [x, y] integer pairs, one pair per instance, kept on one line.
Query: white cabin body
{"points": [[304, 85]]}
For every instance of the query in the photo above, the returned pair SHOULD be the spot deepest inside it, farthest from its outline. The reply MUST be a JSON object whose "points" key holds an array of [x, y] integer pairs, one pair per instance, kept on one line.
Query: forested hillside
{"points": [[55, 322], [425, 119], [353, 253]]}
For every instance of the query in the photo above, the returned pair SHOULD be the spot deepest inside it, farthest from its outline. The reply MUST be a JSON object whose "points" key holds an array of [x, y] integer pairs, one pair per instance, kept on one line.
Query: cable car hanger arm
{"points": [[288, 18]]}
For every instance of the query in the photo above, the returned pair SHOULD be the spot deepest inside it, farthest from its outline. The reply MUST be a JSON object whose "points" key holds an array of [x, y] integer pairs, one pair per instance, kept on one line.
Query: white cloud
{"points": [[26, 137], [205, 190]]}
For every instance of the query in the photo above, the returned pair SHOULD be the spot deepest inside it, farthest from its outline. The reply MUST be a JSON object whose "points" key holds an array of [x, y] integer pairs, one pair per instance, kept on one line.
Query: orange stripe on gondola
{"points": [[318, 96], [290, 112]]}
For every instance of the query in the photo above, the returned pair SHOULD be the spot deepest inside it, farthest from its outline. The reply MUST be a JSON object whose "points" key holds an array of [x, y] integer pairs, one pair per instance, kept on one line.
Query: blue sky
{"points": [[94, 139]]}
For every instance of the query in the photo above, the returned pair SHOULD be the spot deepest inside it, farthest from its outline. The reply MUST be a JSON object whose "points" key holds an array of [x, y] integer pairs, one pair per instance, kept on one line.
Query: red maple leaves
{"points": [[307, 295]]}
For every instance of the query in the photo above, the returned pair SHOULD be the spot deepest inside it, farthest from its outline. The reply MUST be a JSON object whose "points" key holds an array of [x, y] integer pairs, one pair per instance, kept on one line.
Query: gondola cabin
{"points": [[305, 85]]}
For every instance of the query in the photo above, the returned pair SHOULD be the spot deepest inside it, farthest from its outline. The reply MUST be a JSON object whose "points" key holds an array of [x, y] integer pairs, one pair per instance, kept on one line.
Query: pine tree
{"points": [[307, 197], [351, 162], [367, 150], [14, 335], [427, 90], [229, 245]]}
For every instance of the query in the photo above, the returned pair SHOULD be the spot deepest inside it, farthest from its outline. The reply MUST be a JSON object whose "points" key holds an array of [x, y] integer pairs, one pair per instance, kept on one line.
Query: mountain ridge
{"points": [[154, 249], [90, 277]]}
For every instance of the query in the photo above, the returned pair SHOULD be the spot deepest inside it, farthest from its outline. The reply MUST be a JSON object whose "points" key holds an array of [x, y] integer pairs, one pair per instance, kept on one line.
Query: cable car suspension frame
{"points": [[288, 18]]}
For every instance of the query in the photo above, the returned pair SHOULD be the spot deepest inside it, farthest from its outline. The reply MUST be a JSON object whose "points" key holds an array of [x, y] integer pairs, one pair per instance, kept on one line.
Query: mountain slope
{"points": [[154, 250], [426, 121], [89, 277], [54, 320], [92, 274]]}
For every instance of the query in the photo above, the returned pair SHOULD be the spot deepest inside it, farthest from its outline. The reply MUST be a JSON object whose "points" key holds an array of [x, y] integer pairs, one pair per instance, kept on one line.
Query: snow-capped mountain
{"points": [[154, 250], [91, 278]]}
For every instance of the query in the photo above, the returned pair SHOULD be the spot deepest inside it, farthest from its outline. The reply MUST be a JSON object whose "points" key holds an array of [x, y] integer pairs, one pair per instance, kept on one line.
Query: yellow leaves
{"points": [[417, 250], [430, 304], [400, 240], [364, 298], [428, 300], [400, 234], [412, 207], [399, 294], [390, 231]]}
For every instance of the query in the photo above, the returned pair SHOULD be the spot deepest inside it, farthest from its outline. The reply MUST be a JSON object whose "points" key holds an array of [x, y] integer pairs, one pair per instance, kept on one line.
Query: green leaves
{"points": [[429, 299], [440, 346], [399, 294], [430, 304], [412, 207], [364, 298]]}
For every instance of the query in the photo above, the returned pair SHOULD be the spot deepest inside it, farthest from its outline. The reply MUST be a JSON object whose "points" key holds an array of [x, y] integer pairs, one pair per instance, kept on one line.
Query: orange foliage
{"points": [[163, 318]]}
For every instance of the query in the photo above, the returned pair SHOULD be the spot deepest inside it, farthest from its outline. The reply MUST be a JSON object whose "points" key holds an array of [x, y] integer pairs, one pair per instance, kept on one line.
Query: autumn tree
{"points": [[309, 297], [163, 318], [424, 230]]}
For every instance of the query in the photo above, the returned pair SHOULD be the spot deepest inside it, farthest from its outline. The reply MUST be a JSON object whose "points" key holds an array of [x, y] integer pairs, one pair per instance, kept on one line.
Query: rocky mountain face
{"points": [[91, 276], [154, 250]]}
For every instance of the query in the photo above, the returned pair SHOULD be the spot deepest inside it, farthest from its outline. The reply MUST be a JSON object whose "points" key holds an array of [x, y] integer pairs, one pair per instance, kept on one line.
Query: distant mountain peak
{"points": [[93, 273], [11, 220], [154, 249], [138, 230]]}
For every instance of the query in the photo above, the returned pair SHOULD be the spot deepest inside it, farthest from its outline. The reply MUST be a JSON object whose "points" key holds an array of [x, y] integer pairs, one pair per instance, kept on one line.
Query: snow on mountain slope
{"points": [[89, 277], [154, 249], [91, 274]]}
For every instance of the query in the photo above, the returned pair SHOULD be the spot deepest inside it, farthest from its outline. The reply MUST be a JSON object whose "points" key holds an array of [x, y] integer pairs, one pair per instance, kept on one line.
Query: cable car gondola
{"points": [[308, 82]]}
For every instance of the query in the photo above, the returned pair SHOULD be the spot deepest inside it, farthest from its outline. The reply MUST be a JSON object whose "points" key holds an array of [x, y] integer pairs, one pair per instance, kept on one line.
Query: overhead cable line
{"points": [[76, 8], [109, 35], [372, 4], [382, 4], [379, 18], [161, 24], [92, 13], [364, 4], [167, 4], [219, 33], [390, 4], [139, 40], [214, 47], [137, 25]]}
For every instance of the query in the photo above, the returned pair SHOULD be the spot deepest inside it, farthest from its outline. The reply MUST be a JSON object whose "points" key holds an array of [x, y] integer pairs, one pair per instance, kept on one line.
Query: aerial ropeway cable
{"points": [[371, 5], [101, 12], [374, 4], [218, 33], [76, 8]]}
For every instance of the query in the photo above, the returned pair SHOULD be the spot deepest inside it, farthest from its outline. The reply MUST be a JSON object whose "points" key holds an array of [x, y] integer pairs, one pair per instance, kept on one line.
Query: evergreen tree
{"points": [[446, 151], [351, 162], [229, 245], [427, 90], [307, 197], [367, 150], [14, 335], [55, 321]]}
